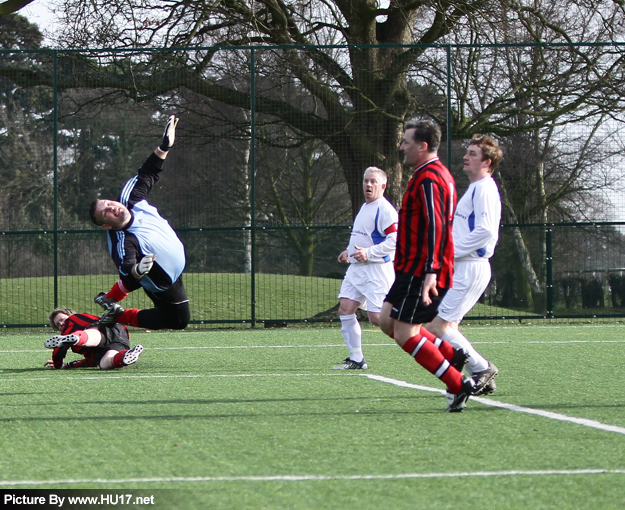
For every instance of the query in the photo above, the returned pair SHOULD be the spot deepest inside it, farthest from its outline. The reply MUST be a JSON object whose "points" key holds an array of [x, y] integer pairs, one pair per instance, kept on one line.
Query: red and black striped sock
{"points": [[447, 350], [430, 357]]}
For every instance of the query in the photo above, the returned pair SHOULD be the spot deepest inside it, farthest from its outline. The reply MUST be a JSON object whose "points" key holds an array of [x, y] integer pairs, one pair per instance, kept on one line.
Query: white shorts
{"points": [[470, 281], [368, 284]]}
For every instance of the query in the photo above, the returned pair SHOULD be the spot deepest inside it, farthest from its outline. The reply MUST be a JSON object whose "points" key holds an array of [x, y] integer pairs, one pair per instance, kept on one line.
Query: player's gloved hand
{"points": [[103, 301], [170, 134], [144, 265]]}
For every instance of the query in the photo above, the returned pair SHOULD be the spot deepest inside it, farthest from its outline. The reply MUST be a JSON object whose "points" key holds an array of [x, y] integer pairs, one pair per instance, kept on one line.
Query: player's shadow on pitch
{"points": [[23, 370]]}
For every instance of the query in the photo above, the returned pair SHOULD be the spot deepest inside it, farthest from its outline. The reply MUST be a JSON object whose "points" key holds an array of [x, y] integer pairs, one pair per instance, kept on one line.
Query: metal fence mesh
{"points": [[263, 210]]}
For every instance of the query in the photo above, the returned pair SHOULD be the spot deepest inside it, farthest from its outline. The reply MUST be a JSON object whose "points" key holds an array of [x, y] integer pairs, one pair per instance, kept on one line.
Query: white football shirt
{"points": [[368, 231], [476, 222]]}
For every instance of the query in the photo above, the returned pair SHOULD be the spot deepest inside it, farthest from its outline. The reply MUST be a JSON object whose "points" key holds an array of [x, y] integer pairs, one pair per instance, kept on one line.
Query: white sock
{"points": [[476, 362], [352, 333]]}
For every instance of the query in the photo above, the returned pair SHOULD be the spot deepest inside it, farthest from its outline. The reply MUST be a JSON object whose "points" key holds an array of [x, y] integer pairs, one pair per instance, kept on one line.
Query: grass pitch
{"points": [[256, 419]]}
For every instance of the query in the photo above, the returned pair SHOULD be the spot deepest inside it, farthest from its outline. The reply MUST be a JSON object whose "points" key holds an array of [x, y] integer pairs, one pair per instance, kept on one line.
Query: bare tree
{"points": [[556, 111], [359, 96], [303, 191]]}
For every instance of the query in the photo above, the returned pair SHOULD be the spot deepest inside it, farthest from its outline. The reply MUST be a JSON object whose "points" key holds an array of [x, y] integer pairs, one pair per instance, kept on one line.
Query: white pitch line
{"points": [[510, 407], [201, 347], [108, 376], [396, 382], [324, 346], [316, 478]]}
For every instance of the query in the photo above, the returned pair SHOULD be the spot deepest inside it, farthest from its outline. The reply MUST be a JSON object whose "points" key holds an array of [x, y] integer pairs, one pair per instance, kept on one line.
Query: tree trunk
{"points": [[521, 247]]}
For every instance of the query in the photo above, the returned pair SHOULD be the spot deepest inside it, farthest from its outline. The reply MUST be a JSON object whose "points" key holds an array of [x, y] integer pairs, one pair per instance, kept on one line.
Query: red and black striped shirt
{"points": [[424, 239], [79, 321]]}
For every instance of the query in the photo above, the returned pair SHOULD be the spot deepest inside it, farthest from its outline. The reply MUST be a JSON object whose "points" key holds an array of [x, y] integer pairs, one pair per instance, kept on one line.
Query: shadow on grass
{"points": [[25, 370], [351, 407]]}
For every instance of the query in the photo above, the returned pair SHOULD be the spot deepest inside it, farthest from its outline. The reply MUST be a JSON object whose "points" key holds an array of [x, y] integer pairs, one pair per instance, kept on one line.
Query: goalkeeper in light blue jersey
{"points": [[145, 248]]}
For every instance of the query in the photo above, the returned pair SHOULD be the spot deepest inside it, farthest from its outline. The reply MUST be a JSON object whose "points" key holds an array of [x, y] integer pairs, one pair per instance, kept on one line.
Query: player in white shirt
{"points": [[475, 234], [370, 256]]}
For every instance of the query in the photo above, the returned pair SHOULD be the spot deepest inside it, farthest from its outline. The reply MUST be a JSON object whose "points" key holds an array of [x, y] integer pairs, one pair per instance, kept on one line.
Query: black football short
{"points": [[116, 338], [405, 296]]}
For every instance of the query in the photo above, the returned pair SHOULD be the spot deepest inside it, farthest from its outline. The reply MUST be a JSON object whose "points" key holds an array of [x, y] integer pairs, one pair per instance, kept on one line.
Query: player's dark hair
{"points": [[56, 311], [92, 208], [426, 131], [490, 149]]}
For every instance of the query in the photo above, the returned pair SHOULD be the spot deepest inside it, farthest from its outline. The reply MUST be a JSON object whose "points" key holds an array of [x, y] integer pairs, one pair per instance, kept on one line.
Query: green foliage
{"points": [[205, 419], [16, 32]]}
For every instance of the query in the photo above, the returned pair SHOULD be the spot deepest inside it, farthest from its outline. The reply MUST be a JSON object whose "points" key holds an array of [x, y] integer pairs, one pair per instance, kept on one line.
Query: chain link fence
{"points": [[264, 208]]}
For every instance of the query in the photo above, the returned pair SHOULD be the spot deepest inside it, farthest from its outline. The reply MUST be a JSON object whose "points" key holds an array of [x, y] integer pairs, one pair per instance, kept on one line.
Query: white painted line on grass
{"points": [[470, 325], [312, 346], [510, 407], [396, 382], [108, 376], [324, 346], [314, 478], [308, 346], [200, 347]]}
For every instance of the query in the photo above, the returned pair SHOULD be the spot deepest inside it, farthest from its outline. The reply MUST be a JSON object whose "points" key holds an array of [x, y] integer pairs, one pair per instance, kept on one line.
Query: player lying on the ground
{"points": [[82, 333]]}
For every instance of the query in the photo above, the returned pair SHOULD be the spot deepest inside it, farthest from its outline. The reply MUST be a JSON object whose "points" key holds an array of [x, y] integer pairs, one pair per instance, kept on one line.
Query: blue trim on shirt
{"points": [[377, 237], [480, 251]]}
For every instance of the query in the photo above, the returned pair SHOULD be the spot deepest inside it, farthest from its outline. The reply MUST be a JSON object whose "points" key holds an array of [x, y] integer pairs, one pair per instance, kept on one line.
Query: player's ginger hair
{"points": [[56, 311], [490, 150]]}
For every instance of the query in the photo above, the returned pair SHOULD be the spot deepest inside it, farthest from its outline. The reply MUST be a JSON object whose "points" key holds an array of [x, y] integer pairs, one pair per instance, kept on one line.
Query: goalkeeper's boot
{"points": [[456, 403], [131, 356], [350, 364], [460, 359], [484, 378], [61, 340], [109, 318]]}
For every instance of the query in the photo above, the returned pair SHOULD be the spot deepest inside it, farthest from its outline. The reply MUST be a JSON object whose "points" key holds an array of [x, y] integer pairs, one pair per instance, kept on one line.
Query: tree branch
{"points": [[11, 6]]}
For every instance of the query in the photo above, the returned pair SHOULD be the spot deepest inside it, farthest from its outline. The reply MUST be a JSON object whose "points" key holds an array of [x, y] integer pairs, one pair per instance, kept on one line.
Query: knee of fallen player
{"points": [[106, 363]]}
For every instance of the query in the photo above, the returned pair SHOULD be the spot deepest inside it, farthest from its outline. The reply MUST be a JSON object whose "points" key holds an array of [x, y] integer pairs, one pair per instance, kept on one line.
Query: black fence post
{"points": [[549, 270], [253, 182], [55, 143]]}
